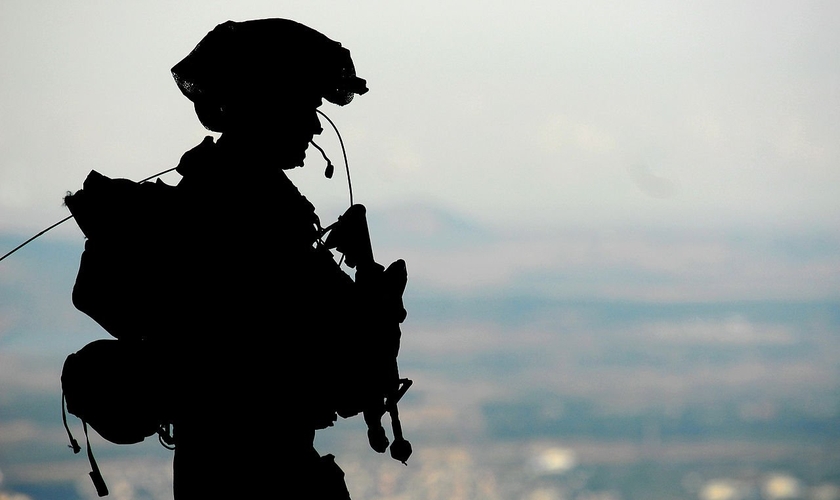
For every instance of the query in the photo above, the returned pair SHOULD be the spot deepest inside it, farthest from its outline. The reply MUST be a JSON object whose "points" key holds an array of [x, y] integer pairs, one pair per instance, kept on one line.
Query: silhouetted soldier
{"points": [[251, 332]]}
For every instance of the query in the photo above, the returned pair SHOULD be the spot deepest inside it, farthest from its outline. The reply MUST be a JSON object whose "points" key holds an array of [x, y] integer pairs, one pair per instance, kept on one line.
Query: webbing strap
{"points": [[95, 475], [73, 443]]}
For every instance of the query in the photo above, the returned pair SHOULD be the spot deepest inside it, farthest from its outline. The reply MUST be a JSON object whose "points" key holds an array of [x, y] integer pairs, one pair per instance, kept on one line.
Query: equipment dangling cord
{"points": [[343, 152], [15, 249], [329, 174]]}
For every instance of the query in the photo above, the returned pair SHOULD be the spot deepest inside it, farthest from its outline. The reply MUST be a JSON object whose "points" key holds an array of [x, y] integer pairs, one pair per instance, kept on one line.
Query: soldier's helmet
{"points": [[264, 61]]}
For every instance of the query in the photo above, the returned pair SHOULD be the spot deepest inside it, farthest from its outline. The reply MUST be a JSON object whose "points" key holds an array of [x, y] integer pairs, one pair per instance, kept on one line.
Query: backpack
{"points": [[108, 385]]}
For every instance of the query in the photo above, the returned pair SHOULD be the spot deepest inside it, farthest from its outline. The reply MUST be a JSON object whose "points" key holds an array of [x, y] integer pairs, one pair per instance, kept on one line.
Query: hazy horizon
{"points": [[620, 221]]}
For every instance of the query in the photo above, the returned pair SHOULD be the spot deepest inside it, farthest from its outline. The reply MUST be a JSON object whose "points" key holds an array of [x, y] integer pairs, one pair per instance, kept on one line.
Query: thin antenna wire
{"points": [[71, 216], [32, 238], [343, 152], [346, 169]]}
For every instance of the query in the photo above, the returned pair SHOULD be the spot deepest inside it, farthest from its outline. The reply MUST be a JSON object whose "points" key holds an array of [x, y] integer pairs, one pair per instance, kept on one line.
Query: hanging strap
{"points": [[73, 443], [95, 475]]}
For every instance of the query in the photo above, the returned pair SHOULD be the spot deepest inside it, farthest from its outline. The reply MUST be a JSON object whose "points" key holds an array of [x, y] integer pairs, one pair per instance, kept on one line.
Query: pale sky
{"points": [[660, 152], [544, 114]]}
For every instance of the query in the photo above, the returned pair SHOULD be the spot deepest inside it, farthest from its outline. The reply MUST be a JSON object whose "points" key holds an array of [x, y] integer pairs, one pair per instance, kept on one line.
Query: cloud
{"points": [[33, 375], [560, 133], [680, 264], [734, 330], [17, 431], [503, 112], [651, 184]]}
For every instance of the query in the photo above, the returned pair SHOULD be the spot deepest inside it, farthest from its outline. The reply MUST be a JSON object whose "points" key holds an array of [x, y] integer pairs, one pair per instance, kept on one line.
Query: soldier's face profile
{"points": [[279, 127]]}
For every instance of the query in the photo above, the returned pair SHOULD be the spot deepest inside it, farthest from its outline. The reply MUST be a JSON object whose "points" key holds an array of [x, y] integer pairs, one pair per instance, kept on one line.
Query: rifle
{"points": [[382, 291]]}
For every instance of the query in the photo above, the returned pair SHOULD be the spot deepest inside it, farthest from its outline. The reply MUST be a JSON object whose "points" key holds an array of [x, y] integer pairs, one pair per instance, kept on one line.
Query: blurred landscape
{"points": [[523, 390], [619, 220]]}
